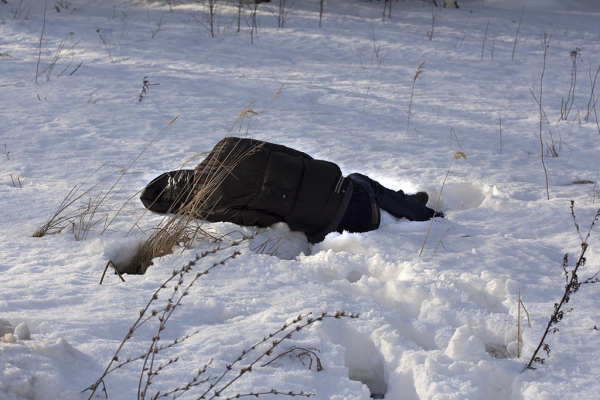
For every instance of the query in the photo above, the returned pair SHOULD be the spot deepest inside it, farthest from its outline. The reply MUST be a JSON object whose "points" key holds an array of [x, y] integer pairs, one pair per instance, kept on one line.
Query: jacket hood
{"points": [[168, 192]]}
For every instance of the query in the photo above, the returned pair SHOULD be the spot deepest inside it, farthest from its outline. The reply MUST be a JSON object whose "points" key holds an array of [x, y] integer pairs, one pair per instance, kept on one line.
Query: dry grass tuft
{"points": [[16, 180], [181, 227], [84, 217]]}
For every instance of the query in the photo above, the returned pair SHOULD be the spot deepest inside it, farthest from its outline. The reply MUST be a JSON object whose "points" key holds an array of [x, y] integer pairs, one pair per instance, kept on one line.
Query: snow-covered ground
{"points": [[439, 326]]}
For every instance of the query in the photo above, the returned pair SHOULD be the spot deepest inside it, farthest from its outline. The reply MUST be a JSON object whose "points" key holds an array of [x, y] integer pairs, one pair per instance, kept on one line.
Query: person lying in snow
{"points": [[255, 183]]}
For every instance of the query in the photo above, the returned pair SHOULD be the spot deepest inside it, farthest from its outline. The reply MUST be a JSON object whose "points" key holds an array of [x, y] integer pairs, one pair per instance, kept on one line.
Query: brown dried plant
{"points": [[83, 217], [211, 385], [572, 286], [182, 226], [457, 156], [412, 92]]}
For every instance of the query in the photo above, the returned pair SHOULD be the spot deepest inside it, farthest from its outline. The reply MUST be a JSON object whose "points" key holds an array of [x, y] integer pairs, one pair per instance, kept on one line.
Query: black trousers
{"points": [[369, 196]]}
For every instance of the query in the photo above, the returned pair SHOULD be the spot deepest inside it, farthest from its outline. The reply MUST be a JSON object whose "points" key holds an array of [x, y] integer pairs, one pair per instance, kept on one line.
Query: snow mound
{"points": [[46, 368]]}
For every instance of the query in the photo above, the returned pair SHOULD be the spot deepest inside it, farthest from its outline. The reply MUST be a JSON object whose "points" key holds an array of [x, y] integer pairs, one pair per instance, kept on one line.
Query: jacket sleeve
{"points": [[243, 216]]}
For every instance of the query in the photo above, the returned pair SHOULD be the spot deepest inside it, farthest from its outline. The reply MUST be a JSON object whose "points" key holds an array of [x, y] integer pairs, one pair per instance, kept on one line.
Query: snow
{"points": [[439, 326]]}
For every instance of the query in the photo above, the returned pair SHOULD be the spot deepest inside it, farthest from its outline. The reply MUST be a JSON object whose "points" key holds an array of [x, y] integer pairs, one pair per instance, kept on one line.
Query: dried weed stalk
{"points": [[520, 305], [545, 40], [60, 53], [412, 92], [434, 15], [215, 385], [572, 286], [484, 38], [457, 156], [64, 214], [40, 45], [565, 106], [453, 134], [146, 87], [321, 4], [283, 11], [106, 42], [517, 34], [182, 226], [67, 214], [14, 177], [300, 353], [463, 31], [270, 246], [593, 98]]}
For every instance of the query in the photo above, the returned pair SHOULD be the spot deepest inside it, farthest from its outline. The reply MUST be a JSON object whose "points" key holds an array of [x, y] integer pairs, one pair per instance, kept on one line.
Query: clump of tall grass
{"points": [[182, 226], [82, 217]]}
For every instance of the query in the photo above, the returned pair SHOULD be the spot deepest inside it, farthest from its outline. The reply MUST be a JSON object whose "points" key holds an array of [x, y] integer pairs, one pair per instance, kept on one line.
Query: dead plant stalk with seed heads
{"points": [[65, 214], [457, 156], [591, 106], [181, 225], [572, 286], [216, 385], [412, 92], [545, 40]]}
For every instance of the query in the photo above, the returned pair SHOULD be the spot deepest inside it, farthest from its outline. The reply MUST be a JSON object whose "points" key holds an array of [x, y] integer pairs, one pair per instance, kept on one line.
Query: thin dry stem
{"points": [[517, 35], [40, 46], [545, 44], [458, 155], [572, 286], [412, 91]]}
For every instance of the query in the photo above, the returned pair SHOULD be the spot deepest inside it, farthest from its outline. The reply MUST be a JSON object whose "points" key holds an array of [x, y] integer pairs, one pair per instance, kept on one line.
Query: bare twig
{"points": [[442, 238], [453, 133], [167, 311], [572, 286], [463, 31], [484, 37], [539, 105], [593, 98], [594, 190], [517, 35], [434, 14], [500, 133], [158, 27], [133, 162], [545, 40], [105, 43], [300, 352], [40, 47], [566, 106]]}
